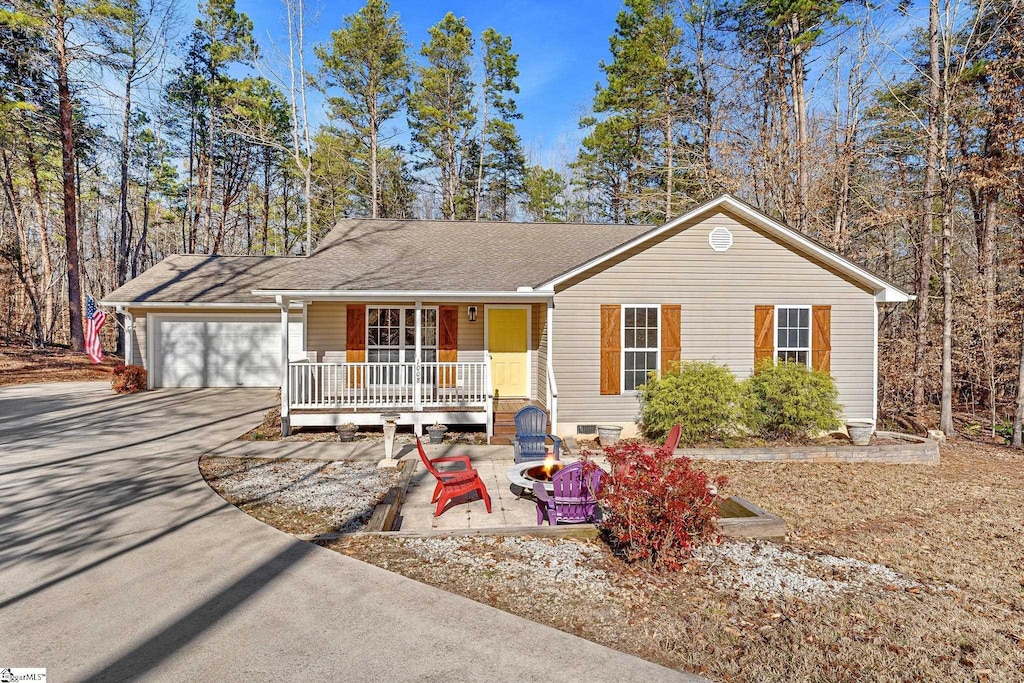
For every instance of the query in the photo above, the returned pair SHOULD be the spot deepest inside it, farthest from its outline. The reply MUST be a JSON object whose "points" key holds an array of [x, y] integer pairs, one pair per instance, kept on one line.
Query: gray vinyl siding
{"points": [[139, 340], [717, 292], [325, 331]]}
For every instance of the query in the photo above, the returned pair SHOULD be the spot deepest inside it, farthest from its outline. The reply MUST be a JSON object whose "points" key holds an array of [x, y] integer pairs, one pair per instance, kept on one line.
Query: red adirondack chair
{"points": [[453, 483], [672, 440], [671, 443]]}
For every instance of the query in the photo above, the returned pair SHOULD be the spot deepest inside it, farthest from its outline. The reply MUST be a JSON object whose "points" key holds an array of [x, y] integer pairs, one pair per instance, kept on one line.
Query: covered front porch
{"points": [[422, 362]]}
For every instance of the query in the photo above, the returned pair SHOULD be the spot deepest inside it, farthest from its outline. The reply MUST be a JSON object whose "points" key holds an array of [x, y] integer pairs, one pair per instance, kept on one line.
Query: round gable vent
{"points": [[720, 239]]}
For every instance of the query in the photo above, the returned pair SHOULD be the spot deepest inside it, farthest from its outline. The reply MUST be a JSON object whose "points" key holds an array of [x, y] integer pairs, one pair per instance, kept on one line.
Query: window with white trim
{"points": [[640, 348], [391, 334], [793, 334]]}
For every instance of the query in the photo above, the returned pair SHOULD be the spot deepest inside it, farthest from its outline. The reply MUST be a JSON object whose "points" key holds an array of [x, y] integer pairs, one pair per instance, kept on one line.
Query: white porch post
{"points": [[283, 302], [551, 385], [417, 398], [129, 335]]}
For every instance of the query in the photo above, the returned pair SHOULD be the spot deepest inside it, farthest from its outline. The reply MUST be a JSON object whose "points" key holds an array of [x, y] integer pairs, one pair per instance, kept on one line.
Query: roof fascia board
{"points": [[884, 292], [388, 295], [189, 304]]}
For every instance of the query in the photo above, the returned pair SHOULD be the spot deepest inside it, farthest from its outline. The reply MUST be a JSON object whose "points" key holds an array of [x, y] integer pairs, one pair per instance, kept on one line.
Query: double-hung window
{"points": [[639, 345], [793, 334]]}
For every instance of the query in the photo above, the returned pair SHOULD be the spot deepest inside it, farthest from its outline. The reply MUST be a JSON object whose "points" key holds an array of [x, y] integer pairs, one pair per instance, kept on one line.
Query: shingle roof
{"points": [[388, 255], [200, 278]]}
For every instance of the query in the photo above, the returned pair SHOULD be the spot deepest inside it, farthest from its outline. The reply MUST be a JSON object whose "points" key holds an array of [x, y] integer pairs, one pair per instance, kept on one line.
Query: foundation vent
{"points": [[586, 429], [720, 239]]}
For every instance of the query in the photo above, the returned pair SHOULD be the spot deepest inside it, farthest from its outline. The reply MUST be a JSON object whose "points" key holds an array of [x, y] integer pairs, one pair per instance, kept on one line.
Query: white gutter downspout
{"points": [[282, 303]]}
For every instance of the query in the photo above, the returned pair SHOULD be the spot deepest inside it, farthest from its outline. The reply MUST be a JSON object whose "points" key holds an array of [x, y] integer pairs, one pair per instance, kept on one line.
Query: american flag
{"points": [[94, 319]]}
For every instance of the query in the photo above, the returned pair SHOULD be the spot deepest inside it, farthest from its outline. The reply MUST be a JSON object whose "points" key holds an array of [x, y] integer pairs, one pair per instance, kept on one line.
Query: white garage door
{"points": [[220, 350]]}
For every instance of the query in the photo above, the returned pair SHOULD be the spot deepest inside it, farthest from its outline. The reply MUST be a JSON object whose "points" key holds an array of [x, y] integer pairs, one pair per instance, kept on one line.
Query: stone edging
{"points": [[915, 450]]}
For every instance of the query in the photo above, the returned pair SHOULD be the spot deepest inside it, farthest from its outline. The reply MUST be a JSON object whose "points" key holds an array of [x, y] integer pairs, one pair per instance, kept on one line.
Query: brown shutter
{"points": [[764, 334], [611, 349], [447, 342], [821, 338], [670, 346], [355, 342]]}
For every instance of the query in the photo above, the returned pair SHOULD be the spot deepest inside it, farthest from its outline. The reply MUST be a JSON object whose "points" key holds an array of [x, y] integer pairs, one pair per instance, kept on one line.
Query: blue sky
{"points": [[559, 49]]}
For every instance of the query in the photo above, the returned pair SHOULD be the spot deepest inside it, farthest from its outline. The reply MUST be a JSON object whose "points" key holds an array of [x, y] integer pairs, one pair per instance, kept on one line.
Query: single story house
{"points": [[465, 322]]}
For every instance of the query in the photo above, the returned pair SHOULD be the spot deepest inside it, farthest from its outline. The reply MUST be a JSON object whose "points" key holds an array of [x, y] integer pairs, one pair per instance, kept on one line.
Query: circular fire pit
{"points": [[525, 474]]}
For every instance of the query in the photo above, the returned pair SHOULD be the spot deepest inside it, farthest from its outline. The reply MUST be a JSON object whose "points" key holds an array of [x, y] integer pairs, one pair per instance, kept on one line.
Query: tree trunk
{"points": [[49, 306], [946, 409], [124, 248], [25, 275], [1018, 418], [67, 147], [924, 265], [800, 114], [374, 179], [480, 162], [265, 237]]}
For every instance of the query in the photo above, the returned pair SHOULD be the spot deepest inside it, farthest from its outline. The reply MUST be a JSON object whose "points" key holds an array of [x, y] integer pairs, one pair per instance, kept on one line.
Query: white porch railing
{"points": [[350, 386]]}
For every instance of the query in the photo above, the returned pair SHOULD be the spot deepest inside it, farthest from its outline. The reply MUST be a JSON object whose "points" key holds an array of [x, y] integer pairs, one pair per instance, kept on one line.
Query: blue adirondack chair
{"points": [[530, 441]]}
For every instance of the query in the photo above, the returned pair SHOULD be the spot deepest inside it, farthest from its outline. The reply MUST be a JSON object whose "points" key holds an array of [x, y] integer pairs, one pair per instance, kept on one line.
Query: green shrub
{"points": [[704, 398], [788, 400]]}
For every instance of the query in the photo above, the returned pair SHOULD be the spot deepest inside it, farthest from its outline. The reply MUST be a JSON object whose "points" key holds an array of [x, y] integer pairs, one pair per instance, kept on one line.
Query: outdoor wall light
{"points": [[472, 314]]}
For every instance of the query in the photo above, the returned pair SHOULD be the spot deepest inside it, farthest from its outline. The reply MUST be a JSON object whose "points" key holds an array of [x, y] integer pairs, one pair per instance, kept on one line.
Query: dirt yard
{"points": [[25, 365], [895, 573]]}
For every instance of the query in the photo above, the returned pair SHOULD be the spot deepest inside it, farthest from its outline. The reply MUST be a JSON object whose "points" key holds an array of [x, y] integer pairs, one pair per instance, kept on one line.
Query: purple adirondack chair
{"points": [[575, 496]]}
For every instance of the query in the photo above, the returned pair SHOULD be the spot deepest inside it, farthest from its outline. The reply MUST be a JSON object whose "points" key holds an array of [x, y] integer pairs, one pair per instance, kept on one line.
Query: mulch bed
{"points": [[896, 573], [21, 364]]}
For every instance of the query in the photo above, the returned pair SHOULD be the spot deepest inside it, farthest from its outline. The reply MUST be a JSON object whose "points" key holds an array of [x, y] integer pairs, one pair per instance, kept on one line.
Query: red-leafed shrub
{"points": [[657, 508], [128, 379]]}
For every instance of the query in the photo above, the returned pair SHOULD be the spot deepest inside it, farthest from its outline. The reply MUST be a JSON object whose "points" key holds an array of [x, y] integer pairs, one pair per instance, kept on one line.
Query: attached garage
{"points": [[219, 350]]}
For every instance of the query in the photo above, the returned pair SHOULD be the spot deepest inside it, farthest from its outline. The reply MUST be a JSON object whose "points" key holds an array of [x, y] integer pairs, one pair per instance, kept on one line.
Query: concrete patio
{"points": [[417, 514]]}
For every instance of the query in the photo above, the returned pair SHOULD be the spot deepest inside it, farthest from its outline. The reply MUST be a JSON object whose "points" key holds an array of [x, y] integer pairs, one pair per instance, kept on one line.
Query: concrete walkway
{"points": [[118, 562]]}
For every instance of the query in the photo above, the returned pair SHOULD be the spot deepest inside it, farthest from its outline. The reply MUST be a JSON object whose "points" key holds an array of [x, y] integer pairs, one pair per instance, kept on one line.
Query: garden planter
{"points": [[346, 433], [609, 434], [437, 434], [860, 432]]}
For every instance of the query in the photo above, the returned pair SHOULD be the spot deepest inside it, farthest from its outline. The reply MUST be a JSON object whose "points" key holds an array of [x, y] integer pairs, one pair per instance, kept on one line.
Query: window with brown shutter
{"points": [[670, 343], [764, 334], [821, 338], [611, 326]]}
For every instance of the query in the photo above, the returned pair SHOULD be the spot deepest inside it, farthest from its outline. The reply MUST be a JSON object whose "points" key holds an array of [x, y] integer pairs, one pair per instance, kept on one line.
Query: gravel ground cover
{"points": [[301, 496], [890, 573]]}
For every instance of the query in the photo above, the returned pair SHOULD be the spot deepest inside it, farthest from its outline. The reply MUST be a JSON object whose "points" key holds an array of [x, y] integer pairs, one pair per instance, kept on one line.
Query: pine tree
{"points": [[441, 116], [501, 163], [544, 191], [223, 37], [648, 91], [367, 60]]}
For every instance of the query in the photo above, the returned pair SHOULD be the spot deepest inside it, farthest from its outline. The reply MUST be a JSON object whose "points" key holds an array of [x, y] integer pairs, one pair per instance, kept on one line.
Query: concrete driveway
{"points": [[118, 562]]}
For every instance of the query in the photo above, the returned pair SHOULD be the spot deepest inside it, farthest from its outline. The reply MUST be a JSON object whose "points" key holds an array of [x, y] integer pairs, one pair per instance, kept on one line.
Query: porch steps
{"points": [[505, 419]]}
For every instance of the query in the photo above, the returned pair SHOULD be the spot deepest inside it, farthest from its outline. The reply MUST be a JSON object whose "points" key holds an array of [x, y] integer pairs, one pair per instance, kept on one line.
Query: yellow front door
{"points": [[507, 344]]}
